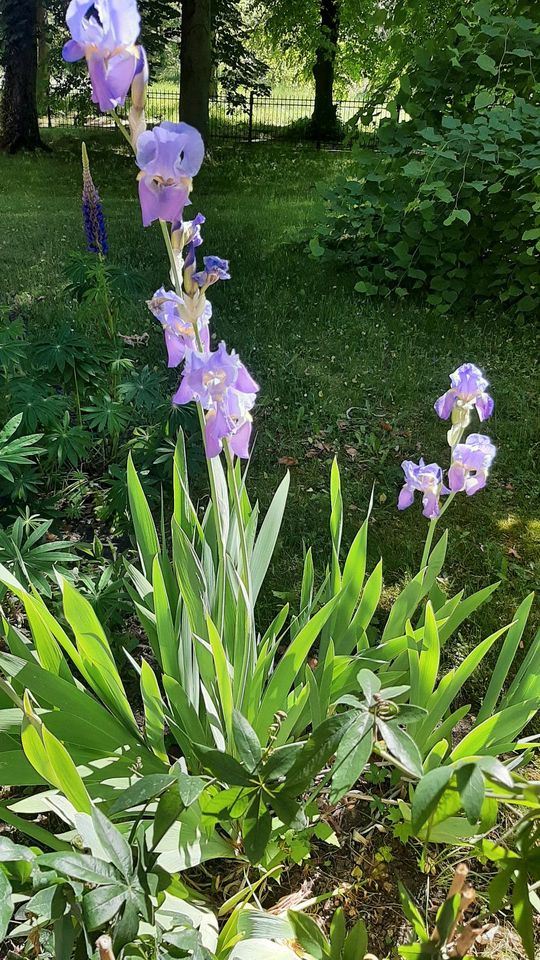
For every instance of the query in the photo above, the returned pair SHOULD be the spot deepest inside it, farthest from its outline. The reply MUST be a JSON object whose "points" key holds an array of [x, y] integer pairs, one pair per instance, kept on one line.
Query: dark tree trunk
{"points": [[18, 110], [324, 122], [196, 63]]}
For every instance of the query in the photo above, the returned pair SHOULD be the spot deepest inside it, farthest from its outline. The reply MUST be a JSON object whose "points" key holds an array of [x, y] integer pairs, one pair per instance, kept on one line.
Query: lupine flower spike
{"points": [[426, 479], [225, 389], [468, 390], [105, 32], [471, 462], [93, 219], [168, 156]]}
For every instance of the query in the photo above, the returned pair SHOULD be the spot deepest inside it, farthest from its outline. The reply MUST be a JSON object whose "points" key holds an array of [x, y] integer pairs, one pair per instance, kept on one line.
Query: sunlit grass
{"points": [[340, 375]]}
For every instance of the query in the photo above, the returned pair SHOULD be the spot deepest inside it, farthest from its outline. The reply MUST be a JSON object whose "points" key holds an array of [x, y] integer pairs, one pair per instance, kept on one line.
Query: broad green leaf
{"points": [[470, 783], [505, 659], [103, 904], [223, 766], [498, 729], [140, 792], [167, 813], [308, 934], [427, 795], [429, 659], [167, 638], [6, 904], [412, 914], [288, 668], [523, 914], [257, 827], [267, 538], [223, 672], [154, 714], [114, 844], [401, 746], [352, 756], [319, 747], [246, 741], [143, 522], [80, 866], [356, 942]]}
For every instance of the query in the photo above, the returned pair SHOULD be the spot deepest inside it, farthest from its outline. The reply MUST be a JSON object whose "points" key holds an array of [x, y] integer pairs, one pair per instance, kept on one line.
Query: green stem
{"points": [[122, 128], [239, 520], [431, 531], [77, 396], [222, 569]]}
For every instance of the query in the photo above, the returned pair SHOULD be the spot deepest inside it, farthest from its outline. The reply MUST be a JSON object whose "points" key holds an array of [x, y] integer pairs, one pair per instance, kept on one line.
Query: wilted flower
{"points": [[225, 389], [93, 219], [214, 269], [168, 157], [139, 88], [179, 319], [105, 32], [468, 390], [426, 479], [471, 462]]}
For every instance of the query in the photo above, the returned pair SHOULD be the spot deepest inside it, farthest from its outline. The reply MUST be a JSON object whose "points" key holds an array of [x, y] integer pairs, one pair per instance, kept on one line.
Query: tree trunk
{"points": [[43, 59], [196, 63], [324, 121], [18, 109]]}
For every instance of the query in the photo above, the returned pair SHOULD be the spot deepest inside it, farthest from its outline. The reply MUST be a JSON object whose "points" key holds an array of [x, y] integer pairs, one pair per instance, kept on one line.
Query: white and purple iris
{"points": [[471, 462], [180, 319], [468, 390], [220, 382], [168, 156], [426, 479], [105, 32]]}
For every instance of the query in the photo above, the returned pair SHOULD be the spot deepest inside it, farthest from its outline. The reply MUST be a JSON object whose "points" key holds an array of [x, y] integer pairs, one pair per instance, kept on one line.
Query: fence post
{"points": [[250, 128]]}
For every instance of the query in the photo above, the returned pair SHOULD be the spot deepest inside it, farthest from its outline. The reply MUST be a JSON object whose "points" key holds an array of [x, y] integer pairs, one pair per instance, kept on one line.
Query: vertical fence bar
{"points": [[250, 124]]}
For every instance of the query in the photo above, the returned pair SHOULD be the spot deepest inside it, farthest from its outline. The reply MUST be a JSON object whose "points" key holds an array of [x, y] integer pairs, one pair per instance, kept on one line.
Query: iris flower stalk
{"points": [[210, 460]]}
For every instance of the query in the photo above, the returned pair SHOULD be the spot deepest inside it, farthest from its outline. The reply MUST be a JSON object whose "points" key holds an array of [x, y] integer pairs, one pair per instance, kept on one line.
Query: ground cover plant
{"points": [[453, 193], [244, 725]]}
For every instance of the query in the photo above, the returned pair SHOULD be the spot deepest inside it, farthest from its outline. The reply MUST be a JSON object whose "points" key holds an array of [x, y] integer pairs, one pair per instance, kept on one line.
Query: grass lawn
{"points": [[339, 375]]}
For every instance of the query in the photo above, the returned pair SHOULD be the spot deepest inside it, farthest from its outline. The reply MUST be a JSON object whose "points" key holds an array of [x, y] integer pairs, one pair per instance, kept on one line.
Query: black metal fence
{"points": [[258, 119]]}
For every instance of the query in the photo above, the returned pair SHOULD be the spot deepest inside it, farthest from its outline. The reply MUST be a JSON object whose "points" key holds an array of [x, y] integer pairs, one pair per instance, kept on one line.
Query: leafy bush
{"points": [[450, 204]]}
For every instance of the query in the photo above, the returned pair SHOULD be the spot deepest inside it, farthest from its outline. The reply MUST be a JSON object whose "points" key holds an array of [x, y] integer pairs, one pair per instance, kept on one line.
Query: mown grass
{"points": [[339, 375]]}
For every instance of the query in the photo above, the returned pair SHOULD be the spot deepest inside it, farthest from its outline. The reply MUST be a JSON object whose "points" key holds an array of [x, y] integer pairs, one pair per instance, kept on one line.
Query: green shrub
{"points": [[450, 204]]}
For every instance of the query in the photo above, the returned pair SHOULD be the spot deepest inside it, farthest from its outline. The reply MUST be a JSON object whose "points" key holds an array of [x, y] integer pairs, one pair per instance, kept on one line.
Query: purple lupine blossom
{"points": [[471, 462], [93, 219], [168, 157], [468, 389], [178, 318], [214, 269], [106, 32], [225, 389], [428, 480]]}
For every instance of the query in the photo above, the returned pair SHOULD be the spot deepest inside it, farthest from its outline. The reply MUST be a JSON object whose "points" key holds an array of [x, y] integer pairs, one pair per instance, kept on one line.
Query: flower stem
{"points": [[431, 531], [122, 128]]}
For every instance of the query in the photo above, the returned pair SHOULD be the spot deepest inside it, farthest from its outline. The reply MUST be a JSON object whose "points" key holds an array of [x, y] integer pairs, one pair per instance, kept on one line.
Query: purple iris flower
{"points": [[193, 238], [168, 157], [468, 389], [471, 462], [178, 318], [225, 389], [214, 269], [106, 32], [427, 479]]}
